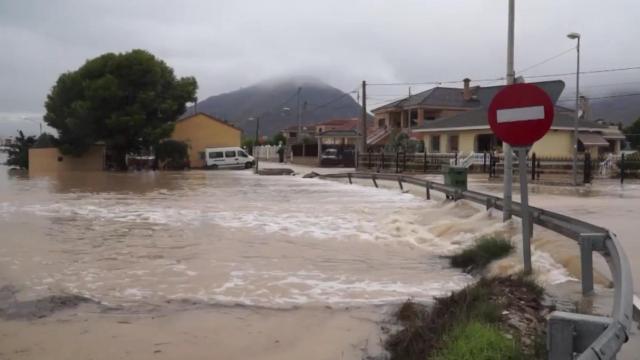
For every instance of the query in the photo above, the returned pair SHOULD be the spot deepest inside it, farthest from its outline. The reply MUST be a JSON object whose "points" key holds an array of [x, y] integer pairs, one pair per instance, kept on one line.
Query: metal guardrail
{"points": [[570, 335]]}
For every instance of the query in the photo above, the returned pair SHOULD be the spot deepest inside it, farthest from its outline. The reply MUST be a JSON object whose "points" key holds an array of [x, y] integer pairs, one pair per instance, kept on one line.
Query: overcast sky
{"points": [[227, 44]]}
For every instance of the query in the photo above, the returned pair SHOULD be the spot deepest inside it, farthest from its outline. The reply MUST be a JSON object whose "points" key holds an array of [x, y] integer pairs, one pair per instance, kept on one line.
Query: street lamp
{"points": [[576, 36], [255, 141]]}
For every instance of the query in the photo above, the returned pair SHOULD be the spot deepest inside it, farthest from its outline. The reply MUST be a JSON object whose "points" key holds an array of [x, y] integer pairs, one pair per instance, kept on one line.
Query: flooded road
{"points": [[224, 264]]}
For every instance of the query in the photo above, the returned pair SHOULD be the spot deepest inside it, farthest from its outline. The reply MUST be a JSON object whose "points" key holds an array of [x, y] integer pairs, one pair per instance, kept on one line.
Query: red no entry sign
{"points": [[520, 114]]}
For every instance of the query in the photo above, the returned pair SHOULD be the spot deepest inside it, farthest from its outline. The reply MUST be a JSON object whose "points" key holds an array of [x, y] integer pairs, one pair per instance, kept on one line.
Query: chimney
{"points": [[466, 93]]}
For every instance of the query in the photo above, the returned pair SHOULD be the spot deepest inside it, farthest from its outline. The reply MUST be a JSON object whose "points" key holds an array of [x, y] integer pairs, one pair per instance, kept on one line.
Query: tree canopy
{"points": [[633, 134], [128, 100]]}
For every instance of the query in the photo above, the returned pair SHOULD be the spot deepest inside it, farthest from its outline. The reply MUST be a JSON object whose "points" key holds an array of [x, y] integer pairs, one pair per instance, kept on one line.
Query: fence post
{"points": [[533, 166], [428, 190], [400, 183], [424, 164], [397, 160], [404, 161], [382, 160], [349, 176], [373, 178], [484, 162], [622, 169], [369, 160], [587, 168], [538, 170], [456, 161]]}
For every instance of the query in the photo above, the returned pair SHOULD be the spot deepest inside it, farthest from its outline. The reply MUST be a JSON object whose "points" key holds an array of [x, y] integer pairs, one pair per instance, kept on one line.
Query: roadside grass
{"points": [[477, 340], [483, 251], [473, 323]]}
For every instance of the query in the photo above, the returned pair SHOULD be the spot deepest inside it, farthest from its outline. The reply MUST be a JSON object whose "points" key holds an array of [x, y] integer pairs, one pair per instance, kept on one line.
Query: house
{"points": [[470, 132], [338, 131], [201, 131], [452, 120], [291, 133], [417, 110]]}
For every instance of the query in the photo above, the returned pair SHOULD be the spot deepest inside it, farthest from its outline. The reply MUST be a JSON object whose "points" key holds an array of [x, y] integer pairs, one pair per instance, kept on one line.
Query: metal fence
{"points": [[570, 335]]}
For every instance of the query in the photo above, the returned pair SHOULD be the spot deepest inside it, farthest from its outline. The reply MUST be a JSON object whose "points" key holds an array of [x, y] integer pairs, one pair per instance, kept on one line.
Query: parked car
{"points": [[330, 157], [227, 157]]}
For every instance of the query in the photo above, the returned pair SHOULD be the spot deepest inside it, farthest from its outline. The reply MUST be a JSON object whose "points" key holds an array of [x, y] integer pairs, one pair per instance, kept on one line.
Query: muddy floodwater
{"points": [[224, 264]]}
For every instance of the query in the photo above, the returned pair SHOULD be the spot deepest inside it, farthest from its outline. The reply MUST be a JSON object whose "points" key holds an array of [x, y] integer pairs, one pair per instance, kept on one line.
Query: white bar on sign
{"points": [[521, 114]]}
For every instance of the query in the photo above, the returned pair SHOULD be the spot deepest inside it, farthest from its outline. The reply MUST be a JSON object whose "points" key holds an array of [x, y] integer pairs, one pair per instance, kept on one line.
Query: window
{"points": [[381, 123], [216, 155], [229, 154], [435, 143], [242, 154], [453, 143]]}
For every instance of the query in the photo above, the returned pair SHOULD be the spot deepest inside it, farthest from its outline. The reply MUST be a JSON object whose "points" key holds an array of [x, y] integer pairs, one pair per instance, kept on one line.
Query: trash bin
{"points": [[456, 176]]}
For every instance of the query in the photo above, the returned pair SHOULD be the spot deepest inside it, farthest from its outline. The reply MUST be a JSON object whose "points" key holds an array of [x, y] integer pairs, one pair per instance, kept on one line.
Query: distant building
{"points": [[201, 131], [338, 131], [291, 133]]}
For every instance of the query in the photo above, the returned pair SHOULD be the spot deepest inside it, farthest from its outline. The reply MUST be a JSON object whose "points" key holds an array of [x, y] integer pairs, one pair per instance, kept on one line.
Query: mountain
{"points": [[276, 102], [617, 108]]}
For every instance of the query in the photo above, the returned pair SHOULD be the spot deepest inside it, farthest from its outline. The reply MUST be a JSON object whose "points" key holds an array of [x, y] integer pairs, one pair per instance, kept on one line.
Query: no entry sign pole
{"points": [[524, 209], [520, 115]]}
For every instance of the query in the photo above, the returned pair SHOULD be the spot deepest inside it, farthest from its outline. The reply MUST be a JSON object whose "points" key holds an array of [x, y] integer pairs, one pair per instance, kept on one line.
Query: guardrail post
{"points": [[397, 160], [373, 178], [571, 334], [349, 176], [586, 263]]}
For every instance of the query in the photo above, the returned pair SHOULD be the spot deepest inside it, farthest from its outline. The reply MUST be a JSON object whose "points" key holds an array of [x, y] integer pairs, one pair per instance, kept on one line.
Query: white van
{"points": [[227, 157]]}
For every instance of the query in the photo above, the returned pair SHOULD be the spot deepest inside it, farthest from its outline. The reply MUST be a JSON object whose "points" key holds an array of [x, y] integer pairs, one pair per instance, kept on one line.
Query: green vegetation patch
{"points": [[499, 318], [484, 251], [476, 340]]}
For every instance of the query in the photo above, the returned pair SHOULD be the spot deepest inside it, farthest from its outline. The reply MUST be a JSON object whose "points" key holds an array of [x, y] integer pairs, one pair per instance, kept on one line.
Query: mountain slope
{"points": [[624, 109], [268, 99]]}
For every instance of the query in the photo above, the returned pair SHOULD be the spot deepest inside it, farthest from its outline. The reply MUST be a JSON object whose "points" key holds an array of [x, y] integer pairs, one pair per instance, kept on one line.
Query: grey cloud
{"points": [[230, 44]]}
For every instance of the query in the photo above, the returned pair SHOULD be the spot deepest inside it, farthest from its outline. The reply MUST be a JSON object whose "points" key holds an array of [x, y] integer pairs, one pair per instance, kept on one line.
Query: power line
{"points": [[496, 79], [585, 72], [546, 60], [600, 97]]}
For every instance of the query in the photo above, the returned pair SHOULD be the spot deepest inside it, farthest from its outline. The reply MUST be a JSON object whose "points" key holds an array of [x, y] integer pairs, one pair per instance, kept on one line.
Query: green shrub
{"points": [[484, 251], [477, 341]]}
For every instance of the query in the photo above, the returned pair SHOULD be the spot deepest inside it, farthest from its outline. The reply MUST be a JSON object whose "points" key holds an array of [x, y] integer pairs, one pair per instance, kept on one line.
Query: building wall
{"points": [[50, 160], [201, 132], [554, 143]]}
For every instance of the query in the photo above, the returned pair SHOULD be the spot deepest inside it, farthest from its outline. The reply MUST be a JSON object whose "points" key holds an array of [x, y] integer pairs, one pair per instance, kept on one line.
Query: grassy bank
{"points": [[498, 318], [481, 253]]}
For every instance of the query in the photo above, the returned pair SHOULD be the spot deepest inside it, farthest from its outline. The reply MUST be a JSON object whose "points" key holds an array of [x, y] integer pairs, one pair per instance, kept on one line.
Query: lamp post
{"points": [[255, 141], [576, 36]]}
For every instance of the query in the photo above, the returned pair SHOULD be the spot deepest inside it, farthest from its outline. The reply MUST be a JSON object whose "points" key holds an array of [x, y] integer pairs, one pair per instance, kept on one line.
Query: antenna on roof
{"points": [[409, 91]]}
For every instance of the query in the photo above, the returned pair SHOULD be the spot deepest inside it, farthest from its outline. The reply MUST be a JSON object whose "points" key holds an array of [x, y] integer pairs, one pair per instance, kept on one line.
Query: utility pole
{"points": [[508, 156], [576, 119], [255, 143], [299, 137], [363, 121]]}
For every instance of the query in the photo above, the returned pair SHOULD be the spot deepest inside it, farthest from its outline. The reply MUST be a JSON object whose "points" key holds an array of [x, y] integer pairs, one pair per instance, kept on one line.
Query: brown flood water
{"points": [[225, 264]]}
